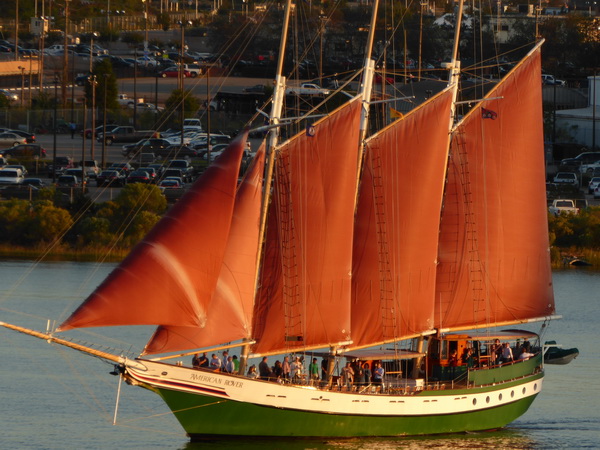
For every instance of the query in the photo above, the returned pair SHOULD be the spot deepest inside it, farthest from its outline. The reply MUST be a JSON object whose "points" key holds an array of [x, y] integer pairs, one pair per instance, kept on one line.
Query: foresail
{"points": [[397, 225], [169, 277], [494, 256], [304, 295], [229, 313]]}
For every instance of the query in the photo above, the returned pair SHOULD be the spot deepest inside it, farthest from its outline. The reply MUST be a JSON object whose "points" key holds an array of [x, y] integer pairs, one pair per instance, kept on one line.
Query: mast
{"points": [[366, 88], [454, 66], [275, 117]]}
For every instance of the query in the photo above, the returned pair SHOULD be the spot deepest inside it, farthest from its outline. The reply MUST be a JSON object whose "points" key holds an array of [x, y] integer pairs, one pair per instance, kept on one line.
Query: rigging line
{"points": [[239, 34]]}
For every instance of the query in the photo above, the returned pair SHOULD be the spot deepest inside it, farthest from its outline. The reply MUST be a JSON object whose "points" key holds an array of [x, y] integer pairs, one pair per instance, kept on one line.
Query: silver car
{"points": [[8, 139]]}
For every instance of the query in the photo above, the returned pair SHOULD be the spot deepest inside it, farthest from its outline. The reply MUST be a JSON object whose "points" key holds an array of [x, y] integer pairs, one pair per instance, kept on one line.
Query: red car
{"points": [[174, 73], [388, 80]]}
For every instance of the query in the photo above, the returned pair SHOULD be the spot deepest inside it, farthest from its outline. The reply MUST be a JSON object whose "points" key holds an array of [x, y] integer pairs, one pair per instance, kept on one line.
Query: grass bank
{"points": [[62, 254]]}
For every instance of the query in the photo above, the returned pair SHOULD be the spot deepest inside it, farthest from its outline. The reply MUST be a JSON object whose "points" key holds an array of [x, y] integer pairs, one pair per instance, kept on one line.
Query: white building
{"points": [[581, 122]]}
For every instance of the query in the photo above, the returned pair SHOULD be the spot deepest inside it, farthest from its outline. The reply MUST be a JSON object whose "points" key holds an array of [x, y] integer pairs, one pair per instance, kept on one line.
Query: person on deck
{"points": [[507, 354], [378, 376], [215, 362], [367, 374], [347, 376], [264, 371], [286, 369], [203, 360], [313, 371], [196, 361]]}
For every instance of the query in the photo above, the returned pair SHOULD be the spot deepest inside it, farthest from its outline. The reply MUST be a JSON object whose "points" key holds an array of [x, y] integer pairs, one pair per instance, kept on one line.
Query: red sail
{"points": [[304, 295], [169, 277], [229, 315], [397, 225], [494, 257]]}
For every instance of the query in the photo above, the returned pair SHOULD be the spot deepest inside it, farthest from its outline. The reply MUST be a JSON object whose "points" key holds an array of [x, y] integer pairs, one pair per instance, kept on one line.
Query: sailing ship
{"points": [[396, 250]]}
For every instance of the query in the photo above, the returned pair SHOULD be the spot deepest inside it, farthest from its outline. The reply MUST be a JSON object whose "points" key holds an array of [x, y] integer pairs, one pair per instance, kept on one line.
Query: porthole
{"points": [[524, 390], [487, 399], [535, 387], [474, 401], [512, 394], [500, 397]]}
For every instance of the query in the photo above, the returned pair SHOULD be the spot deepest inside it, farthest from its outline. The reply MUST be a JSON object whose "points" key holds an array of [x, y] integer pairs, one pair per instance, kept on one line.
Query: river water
{"points": [[56, 398]]}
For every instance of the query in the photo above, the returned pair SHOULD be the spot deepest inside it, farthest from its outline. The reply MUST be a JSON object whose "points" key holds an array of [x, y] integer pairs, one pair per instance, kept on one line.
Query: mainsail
{"points": [[303, 298], [397, 225], [170, 276], [229, 314], [494, 258]]}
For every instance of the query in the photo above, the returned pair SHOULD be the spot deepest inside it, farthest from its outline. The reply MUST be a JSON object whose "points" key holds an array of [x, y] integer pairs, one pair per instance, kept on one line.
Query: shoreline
{"points": [[106, 255]]}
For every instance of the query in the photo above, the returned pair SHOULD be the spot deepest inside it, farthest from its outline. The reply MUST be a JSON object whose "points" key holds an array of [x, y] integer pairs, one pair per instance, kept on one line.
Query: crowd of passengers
{"points": [[352, 376], [498, 352]]}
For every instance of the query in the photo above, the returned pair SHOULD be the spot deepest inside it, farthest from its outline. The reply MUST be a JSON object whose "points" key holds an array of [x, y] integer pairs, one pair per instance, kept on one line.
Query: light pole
{"points": [[22, 69], [104, 123], [181, 74], [93, 84], [135, 90], [54, 128]]}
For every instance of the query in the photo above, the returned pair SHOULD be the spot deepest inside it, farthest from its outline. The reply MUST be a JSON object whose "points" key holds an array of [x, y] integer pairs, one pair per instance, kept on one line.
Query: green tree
{"points": [[172, 113], [95, 232], [105, 76], [46, 223], [13, 217], [131, 215]]}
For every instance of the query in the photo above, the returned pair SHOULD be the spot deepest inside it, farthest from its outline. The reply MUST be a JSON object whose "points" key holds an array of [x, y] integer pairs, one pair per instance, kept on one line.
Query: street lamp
{"points": [[22, 69], [93, 84], [104, 123], [181, 67], [54, 128]]}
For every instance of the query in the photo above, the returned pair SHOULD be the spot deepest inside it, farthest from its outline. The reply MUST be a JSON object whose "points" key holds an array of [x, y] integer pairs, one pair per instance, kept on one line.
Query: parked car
{"points": [[597, 192], [256, 89], [139, 176], [11, 176], [67, 181], [35, 182], [124, 168], [19, 167], [62, 163], [152, 173], [11, 96], [144, 146], [177, 151], [75, 172], [215, 151], [566, 178], [29, 136], [100, 129], [550, 80], [110, 177], [582, 158], [593, 184], [25, 151], [184, 165], [169, 183], [9, 139], [173, 72]]}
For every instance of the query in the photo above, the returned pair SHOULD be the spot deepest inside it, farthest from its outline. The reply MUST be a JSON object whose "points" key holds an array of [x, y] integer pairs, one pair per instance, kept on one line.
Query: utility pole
{"points": [[65, 75]]}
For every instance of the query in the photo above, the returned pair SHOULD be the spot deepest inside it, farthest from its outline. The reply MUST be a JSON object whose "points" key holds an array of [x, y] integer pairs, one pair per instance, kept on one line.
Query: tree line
{"points": [[120, 223], [82, 225]]}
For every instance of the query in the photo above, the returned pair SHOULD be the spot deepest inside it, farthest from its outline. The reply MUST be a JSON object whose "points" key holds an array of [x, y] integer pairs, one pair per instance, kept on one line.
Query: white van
{"points": [[192, 125], [11, 176]]}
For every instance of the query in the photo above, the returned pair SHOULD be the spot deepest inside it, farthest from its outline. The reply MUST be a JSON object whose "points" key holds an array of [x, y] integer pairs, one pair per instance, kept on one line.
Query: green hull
{"points": [[202, 416]]}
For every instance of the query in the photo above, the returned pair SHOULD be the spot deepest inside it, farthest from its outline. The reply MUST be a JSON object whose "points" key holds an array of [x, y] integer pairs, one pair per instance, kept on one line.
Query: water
{"points": [[56, 398]]}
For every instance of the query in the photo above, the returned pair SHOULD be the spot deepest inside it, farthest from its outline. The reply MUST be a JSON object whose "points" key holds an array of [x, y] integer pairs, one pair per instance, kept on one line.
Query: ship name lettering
{"points": [[233, 383], [206, 378]]}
